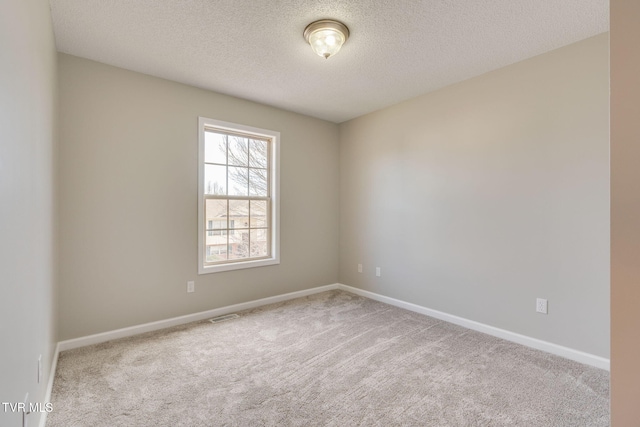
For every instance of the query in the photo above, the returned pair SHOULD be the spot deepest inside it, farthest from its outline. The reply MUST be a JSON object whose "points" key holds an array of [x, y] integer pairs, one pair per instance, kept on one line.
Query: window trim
{"points": [[274, 158]]}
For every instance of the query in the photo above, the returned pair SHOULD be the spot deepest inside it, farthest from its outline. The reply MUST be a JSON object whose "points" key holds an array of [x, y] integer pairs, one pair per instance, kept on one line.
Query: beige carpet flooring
{"points": [[331, 359]]}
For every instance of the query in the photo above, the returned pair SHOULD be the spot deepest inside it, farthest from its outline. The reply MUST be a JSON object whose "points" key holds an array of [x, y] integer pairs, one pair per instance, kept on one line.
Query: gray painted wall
{"points": [[27, 202], [128, 197], [478, 198]]}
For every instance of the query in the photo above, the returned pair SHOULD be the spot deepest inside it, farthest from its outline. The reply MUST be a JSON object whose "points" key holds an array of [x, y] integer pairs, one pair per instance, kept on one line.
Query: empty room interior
{"points": [[319, 213]]}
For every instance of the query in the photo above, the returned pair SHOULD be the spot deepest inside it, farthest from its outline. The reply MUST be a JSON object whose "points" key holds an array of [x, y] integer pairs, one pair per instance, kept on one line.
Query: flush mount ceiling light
{"points": [[326, 36]]}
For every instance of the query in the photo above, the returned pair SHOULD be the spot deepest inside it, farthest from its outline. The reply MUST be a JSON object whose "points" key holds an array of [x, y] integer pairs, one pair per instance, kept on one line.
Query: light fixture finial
{"points": [[326, 36]]}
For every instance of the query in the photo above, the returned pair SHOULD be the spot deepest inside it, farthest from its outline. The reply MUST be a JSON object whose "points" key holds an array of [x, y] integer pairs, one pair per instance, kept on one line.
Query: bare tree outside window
{"points": [[250, 172]]}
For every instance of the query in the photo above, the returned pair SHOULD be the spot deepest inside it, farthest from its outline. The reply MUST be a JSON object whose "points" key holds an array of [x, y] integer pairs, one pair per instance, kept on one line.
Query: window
{"points": [[219, 229], [237, 197]]}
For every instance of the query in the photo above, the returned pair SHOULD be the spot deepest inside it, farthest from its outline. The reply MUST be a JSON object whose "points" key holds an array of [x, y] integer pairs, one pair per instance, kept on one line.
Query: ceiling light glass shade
{"points": [[326, 37]]}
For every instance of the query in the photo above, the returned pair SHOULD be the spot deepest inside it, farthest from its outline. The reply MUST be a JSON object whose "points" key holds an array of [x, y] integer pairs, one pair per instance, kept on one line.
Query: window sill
{"points": [[237, 265]]}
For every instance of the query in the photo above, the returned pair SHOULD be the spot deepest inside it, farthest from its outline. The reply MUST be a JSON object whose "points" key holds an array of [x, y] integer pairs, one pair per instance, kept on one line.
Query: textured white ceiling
{"points": [[255, 49]]}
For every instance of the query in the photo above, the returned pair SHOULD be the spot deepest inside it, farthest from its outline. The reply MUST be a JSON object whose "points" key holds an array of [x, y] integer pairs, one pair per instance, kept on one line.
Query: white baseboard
{"points": [[52, 374], [568, 353], [161, 324]]}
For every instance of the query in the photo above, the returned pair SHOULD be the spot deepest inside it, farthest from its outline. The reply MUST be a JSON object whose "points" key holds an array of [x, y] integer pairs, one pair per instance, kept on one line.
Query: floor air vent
{"points": [[223, 318]]}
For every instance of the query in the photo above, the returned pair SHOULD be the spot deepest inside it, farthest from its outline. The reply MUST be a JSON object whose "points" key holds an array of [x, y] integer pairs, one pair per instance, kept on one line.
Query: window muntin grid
{"points": [[237, 197]]}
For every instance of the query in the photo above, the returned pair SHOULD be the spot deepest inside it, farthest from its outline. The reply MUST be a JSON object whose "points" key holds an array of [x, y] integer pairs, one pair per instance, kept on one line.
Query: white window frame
{"points": [[274, 159]]}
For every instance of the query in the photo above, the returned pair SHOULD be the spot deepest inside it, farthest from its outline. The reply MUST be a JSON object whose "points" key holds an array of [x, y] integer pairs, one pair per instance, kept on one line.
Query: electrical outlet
{"points": [[378, 272], [541, 305], [191, 286], [359, 268]]}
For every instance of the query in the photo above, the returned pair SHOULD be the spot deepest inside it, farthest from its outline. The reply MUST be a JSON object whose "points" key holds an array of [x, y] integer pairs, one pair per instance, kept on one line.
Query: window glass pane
{"points": [[238, 181], [215, 237], [238, 151], [257, 153], [258, 243], [216, 245], [216, 214], [216, 252], [258, 213], [238, 214], [239, 244], [215, 148], [215, 179], [258, 182]]}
